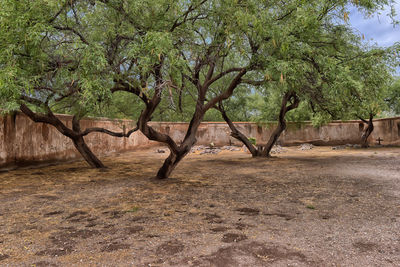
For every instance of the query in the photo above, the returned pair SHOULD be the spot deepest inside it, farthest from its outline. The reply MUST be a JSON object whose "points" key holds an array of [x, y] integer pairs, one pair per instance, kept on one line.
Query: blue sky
{"points": [[377, 29]]}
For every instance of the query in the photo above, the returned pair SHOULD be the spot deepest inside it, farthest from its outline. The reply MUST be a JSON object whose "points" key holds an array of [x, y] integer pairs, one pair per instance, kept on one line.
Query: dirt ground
{"points": [[319, 207]]}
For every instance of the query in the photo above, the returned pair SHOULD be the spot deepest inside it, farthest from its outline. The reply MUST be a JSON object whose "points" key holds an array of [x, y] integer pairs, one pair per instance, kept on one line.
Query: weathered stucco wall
{"points": [[334, 133], [23, 142]]}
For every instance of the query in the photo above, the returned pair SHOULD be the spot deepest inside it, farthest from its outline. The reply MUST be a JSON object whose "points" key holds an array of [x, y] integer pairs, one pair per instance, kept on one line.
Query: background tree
{"points": [[393, 97], [163, 52], [51, 63], [365, 97], [314, 68]]}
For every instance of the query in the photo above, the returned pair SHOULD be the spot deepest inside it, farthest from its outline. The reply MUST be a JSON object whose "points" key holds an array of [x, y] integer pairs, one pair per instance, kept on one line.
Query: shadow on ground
{"points": [[303, 208]]}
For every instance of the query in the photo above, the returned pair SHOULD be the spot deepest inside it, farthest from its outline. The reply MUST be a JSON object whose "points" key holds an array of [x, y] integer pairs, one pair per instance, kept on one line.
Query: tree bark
{"points": [[179, 151], [264, 152], [235, 133], [86, 153], [288, 97], [169, 164], [75, 134], [367, 132]]}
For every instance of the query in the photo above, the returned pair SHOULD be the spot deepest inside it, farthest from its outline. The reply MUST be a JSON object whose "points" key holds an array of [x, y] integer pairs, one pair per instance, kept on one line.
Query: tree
{"points": [[316, 69], [200, 37], [366, 98], [48, 66], [159, 51], [393, 97]]}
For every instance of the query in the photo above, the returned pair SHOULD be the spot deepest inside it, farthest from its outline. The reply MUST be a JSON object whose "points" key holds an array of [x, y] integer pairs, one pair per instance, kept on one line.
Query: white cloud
{"points": [[377, 29]]}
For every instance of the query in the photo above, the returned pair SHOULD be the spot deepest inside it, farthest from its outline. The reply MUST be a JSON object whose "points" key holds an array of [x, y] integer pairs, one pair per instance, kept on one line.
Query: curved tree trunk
{"points": [[86, 153], [169, 165], [75, 134], [294, 101], [273, 138], [281, 121], [235, 133], [367, 132], [264, 152], [179, 152]]}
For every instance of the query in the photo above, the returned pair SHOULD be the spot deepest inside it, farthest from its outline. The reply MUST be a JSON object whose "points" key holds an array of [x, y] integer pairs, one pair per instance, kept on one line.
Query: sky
{"points": [[377, 29]]}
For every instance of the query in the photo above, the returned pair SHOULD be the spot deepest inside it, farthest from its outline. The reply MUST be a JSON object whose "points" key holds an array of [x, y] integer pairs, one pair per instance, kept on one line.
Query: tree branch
{"points": [[61, 28], [220, 75], [228, 92], [185, 15], [363, 120], [49, 119], [102, 130]]}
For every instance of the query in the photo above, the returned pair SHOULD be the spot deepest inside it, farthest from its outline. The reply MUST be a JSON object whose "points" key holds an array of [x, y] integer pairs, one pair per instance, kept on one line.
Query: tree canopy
{"points": [[178, 60]]}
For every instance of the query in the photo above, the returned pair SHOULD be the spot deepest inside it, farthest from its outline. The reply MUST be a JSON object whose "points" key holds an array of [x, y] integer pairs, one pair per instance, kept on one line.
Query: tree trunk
{"points": [[176, 155], [367, 132], [235, 133], [288, 97], [73, 134], [178, 152], [86, 153], [169, 165], [273, 138]]}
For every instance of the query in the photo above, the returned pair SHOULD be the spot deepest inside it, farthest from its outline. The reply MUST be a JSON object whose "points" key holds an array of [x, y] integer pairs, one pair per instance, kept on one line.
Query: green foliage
{"points": [[393, 97], [252, 140], [133, 209], [72, 55]]}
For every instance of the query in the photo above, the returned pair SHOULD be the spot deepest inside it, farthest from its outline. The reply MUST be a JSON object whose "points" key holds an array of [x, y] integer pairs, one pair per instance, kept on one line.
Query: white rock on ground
{"points": [[306, 147]]}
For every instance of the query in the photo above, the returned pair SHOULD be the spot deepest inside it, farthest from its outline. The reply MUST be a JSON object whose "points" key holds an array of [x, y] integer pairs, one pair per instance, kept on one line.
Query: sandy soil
{"points": [[304, 208]]}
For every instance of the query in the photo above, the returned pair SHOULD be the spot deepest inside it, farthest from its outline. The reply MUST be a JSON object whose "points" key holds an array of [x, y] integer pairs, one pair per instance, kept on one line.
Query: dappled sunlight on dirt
{"points": [[318, 207]]}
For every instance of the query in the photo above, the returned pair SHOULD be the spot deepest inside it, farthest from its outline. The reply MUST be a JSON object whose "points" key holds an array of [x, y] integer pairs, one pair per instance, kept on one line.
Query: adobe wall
{"points": [[23, 142]]}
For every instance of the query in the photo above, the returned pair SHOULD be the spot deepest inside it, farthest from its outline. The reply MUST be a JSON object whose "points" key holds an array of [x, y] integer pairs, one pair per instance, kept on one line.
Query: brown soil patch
{"points": [[232, 237], [248, 211], [304, 208], [170, 248]]}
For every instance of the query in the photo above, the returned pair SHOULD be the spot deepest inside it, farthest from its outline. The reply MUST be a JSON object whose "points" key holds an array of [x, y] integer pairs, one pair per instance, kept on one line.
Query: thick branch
{"points": [[128, 87], [235, 133], [228, 92], [220, 75], [49, 119], [102, 130], [363, 120]]}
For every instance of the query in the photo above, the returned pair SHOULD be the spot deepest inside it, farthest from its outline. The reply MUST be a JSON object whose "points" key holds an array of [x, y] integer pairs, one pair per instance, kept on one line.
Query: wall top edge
{"points": [[66, 116]]}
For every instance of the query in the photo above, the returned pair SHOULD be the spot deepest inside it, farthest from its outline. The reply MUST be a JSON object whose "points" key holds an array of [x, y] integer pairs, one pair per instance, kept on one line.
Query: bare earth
{"points": [[319, 207]]}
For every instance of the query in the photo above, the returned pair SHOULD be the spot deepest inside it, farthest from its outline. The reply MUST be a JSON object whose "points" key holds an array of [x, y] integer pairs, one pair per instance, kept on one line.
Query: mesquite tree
{"points": [[226, 44], [314, 70], [393, 97], [366, 98], [156, 50], [47, 66], [290, 101], [187, 52]]}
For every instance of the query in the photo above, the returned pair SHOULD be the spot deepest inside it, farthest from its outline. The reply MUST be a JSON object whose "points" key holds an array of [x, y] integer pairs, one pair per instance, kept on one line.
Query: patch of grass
{"points": [[134, 209], [311, 207]]}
